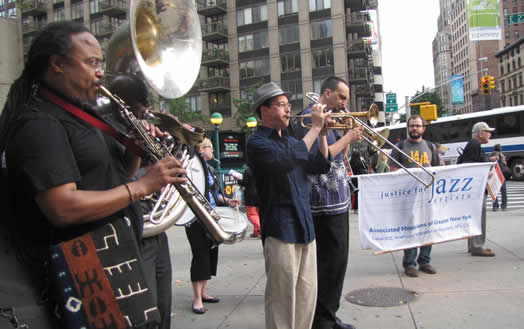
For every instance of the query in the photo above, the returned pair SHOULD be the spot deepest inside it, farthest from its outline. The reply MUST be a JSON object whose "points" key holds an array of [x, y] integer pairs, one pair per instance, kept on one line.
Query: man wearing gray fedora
{"points": [[280, 164]]}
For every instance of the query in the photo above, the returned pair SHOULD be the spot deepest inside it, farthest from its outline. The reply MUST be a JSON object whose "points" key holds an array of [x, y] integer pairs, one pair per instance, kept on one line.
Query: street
{"points": [[467, 292], [515, 191]]}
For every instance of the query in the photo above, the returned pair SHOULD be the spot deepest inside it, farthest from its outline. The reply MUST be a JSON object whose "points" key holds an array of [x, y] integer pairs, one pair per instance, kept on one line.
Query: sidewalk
{"points": [[467, 292]]}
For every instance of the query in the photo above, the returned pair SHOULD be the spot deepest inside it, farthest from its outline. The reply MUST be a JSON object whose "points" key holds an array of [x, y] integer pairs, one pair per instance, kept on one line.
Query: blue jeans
{"points": [[411, 254]]}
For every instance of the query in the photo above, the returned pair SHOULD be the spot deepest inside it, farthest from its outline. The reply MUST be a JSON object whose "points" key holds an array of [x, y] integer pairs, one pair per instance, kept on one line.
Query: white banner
{"points": [[398, 212]]}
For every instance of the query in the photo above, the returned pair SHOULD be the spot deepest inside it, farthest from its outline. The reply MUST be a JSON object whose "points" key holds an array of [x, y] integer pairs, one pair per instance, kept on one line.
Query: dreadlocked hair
{"points": [[54, 39]]}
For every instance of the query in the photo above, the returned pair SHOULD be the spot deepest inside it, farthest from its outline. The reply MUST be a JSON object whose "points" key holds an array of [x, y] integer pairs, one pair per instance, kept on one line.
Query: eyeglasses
{"points": [[415, 126], [95, 63], [283, 104]]}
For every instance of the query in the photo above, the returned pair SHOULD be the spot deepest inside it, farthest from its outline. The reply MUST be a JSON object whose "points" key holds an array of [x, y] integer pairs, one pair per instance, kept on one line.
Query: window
{"points": [[194, 103], [315, 5], [287, 7], [290, 62], [58, 14], [321, 29], [322, 57], [93, 7], [251, 15], [257, 40], [288, 34], [77, 10], [317, 83], [254, 68], [217, 72], [11, 13], [220, 102], [294, 87]]}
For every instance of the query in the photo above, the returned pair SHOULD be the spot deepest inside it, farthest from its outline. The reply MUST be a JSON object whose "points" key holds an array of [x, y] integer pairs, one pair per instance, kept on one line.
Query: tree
{"points": [[431, 97], [243, 106], [179, 108]]}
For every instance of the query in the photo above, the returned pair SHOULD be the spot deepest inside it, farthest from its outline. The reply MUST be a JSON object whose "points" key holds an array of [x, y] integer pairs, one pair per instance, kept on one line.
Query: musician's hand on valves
{"points": [[354, 135], [166, 171], [153, 130], [318, 117]]}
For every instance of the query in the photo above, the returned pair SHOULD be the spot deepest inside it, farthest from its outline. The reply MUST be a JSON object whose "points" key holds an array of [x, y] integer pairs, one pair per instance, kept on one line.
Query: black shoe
{"points": [[341, 325], [210, 300], [199, 310]]}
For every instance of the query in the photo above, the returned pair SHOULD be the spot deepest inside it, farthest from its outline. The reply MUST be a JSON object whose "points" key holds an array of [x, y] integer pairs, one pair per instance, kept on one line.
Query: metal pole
{"points": [[217, 149], [408, 109]]}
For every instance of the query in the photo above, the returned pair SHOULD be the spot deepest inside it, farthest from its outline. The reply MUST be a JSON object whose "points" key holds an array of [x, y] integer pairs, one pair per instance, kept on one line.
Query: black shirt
{"points": [[473, 152], [49, 147]]}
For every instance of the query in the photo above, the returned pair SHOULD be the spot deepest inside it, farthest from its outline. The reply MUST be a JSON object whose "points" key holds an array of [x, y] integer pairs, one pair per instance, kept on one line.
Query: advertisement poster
{"points": [[484, 20], [457, 89]]}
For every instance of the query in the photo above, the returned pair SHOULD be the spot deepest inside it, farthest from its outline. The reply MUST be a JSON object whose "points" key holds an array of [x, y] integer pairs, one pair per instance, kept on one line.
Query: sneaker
{"points": [[427, 269], [411, 271], [254, 236]]}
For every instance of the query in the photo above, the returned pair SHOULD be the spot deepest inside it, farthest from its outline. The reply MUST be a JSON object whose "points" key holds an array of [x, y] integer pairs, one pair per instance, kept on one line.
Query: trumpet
{"points": [[378, 139]]}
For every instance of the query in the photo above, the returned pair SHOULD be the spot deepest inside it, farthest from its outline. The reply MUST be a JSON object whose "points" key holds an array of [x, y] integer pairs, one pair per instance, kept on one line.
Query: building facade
{"points": [[11, 63], [294, 43], [470, 58], [511, 73]]}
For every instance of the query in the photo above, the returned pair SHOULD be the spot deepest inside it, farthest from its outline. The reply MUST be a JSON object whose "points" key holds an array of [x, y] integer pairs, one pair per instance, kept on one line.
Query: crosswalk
{"points": [[515, 196]]}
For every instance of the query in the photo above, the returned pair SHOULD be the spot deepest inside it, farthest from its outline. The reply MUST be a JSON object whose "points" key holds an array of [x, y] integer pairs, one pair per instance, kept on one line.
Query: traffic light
{"points": [[429, 112], [491, 83], [484, 85]]}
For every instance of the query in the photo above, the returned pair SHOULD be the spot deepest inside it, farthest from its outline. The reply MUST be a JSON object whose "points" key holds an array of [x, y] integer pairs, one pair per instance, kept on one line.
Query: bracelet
{"points": [[130, 193]]}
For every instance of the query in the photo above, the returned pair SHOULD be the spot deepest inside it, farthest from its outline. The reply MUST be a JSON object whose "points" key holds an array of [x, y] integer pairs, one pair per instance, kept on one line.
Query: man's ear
{"points": [[57, 63]]}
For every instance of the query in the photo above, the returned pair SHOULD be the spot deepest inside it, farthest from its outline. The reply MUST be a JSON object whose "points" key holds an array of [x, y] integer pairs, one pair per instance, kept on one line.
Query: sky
{"points": [[407, 29]]}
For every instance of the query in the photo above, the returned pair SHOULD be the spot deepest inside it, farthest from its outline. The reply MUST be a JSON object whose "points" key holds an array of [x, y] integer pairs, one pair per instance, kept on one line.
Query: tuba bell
{"points": [[163, 44]]}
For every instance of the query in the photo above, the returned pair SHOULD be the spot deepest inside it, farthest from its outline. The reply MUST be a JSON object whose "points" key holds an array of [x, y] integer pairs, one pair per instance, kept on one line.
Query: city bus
{"points": [[453, 132]]}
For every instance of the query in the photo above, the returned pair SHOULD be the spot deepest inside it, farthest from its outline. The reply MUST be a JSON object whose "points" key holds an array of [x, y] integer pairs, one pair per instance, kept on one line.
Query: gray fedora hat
{"points": [[265, 92]]}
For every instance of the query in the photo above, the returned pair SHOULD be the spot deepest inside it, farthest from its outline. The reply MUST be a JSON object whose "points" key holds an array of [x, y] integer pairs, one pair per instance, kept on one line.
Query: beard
{"points": [[414, 135]]}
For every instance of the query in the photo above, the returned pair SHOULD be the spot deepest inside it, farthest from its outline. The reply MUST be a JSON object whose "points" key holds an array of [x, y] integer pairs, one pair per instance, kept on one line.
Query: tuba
{"points": [[163, 43]]}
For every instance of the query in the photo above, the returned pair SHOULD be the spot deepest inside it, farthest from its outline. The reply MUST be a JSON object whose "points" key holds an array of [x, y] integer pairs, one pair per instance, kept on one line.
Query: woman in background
{"points": [[205, 255]]}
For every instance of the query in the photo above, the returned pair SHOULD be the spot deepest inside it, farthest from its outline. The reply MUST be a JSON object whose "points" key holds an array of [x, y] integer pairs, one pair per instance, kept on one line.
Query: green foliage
{"points": [[431, 97], [243, 106], [179, 108], [24, 4]]}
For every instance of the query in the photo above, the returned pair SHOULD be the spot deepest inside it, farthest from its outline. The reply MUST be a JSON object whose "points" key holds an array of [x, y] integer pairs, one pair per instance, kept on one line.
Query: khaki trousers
{"points": [[291, 289]]}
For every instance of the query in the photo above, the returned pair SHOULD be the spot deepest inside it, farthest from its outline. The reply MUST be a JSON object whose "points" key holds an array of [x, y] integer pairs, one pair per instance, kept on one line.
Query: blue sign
{"points": [[457, 89]]}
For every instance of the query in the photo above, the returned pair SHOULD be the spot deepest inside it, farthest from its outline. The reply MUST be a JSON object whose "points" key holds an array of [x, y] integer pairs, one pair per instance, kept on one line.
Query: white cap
{"points": [[480, 126]]}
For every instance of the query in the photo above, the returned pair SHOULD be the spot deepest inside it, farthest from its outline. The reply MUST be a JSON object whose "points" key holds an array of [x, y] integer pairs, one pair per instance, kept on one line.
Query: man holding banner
{"points": [[425, 154], [481, 133]]}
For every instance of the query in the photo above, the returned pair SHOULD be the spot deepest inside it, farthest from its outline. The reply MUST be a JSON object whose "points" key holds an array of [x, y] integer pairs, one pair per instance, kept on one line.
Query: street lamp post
{"points": [[216, 119]]}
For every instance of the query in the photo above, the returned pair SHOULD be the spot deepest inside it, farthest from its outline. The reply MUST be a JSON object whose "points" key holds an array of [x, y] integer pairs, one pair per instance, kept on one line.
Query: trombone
{"points": [[370, 136]]}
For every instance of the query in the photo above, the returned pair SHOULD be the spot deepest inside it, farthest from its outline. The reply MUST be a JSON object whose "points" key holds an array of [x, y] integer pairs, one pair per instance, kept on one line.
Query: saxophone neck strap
{"points": [[103, 126]]}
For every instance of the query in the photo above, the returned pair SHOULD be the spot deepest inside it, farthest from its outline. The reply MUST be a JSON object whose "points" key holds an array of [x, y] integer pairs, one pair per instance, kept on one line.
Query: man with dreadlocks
{"points": [[66, 177]]}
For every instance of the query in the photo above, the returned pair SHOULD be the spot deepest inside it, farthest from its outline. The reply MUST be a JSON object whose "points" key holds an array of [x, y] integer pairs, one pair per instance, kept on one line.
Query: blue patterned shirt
{"points": [[330, 192]]}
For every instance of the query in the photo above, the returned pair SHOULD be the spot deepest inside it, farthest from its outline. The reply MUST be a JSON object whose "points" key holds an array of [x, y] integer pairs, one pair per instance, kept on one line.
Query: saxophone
{"points": [[156, 149]]}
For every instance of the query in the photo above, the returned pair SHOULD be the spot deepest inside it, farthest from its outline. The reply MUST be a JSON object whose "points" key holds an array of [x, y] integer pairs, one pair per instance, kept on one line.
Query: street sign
{"points": [[391, 102], [515, 18]]}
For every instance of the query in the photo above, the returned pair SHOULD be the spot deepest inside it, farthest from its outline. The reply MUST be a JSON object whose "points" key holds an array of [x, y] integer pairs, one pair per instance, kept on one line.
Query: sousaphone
{"points": [[161, 43]]}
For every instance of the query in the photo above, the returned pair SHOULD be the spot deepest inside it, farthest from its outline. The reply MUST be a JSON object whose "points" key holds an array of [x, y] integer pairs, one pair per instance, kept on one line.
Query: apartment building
{"points": [[511, 73], [469, 58], [294, 43]]}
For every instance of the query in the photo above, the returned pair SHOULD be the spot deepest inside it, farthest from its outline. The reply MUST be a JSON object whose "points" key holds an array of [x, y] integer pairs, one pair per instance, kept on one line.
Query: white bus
{"points": [[453, 132]]}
